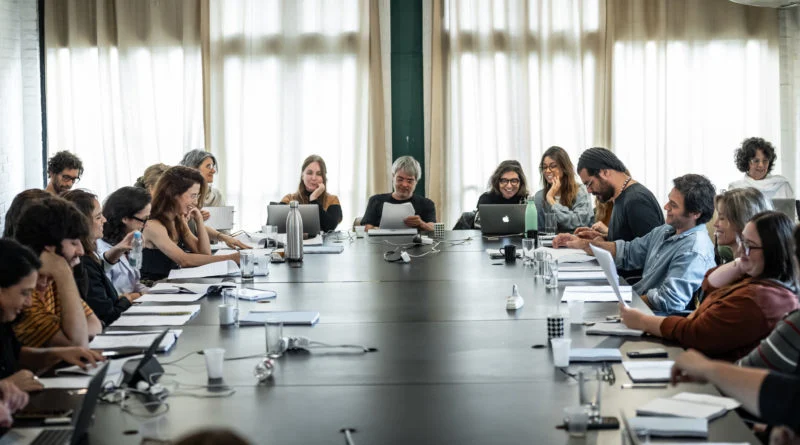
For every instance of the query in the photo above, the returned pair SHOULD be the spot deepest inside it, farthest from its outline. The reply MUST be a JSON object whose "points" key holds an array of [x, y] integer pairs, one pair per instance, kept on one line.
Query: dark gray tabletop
{"points": [[452, 365]]}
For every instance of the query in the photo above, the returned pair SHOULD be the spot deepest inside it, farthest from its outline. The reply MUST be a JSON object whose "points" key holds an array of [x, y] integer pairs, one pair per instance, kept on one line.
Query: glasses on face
{"points": [[588, 184], [68, 178], [756, 161], [746, 248], [551, 167], [505, 181], [141, 220]]}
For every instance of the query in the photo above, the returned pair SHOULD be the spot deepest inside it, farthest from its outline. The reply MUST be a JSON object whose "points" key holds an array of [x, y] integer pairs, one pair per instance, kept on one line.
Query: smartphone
{"points": [[648, 353]]}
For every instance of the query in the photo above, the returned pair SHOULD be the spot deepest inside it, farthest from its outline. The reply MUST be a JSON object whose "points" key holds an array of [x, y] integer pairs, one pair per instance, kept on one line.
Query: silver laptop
{"points": [[786, 206], [502, 219], [277, 213], [81, 420]]}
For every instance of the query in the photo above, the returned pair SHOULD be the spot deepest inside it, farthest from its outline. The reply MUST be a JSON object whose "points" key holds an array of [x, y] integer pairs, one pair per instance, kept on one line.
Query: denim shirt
{"points": [[673, 265]]}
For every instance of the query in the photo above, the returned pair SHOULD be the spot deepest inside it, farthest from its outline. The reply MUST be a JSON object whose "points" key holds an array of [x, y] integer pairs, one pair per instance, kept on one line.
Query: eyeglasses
{"points": [[755, 161], [68, 178], [551, 167], [141, 220], [745, 247], [514, 181], [588, 184]]}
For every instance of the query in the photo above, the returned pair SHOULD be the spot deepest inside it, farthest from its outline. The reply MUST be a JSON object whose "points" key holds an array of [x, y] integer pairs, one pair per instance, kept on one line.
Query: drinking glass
{"points": [[528, 245]]}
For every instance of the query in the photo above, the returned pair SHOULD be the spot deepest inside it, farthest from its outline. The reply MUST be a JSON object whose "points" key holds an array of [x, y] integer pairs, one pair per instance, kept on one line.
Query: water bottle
{"points": [[294, 234], [531, 218], [135, 255]]}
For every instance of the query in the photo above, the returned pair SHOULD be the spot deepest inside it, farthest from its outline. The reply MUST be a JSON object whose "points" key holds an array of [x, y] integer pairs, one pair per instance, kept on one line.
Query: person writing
{"points": [[168, 242], [313, 189], [406, 172]]}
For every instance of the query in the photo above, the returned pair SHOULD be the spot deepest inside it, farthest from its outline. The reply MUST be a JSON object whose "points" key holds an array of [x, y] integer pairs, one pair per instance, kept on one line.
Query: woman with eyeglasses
{"points": [[507, 185], [744, 300], [561, 194], [126, 211], [95, 287], [168, 242], [755, 158]]}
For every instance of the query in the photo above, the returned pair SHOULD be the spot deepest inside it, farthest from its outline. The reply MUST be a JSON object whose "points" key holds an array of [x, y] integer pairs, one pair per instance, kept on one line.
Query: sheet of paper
{"points": [[169, 298], [156, 309], [256, 252], [565, 255], [726, 402], [66, 382], [645, 371], [671, 426], [393, 215], [221, 218], [195, 288], [136, 340], [595, 293], [595, 355], [581, 276], [579, 267], [151, 320], [316, 241], [609, 268], [218, 269], [680, 408], [613, 329], [114, 368]]}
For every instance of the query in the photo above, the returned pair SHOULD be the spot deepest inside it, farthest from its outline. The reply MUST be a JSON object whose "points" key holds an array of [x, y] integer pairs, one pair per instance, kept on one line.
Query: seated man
{"points": [[405, 174], [674, 256], [19, 268], [53, 228], [65, 170]]}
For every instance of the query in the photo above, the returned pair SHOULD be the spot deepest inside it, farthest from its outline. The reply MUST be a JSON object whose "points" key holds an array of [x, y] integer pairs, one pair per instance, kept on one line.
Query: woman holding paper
{"points": [[126, 211], [168, 242], [313, 190], [745, 299]]}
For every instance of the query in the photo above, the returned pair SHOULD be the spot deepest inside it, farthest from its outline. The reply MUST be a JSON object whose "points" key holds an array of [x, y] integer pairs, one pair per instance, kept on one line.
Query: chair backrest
{"points": [[356, 222]]}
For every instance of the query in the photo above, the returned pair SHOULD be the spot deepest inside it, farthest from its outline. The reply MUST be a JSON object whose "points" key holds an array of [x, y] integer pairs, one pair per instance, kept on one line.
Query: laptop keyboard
{"points": [[53, 437]]}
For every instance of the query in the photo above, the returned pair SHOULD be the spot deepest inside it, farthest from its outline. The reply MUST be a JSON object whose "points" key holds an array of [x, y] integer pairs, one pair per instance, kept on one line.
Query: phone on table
{"points": [[605, 423], [648, 353]]}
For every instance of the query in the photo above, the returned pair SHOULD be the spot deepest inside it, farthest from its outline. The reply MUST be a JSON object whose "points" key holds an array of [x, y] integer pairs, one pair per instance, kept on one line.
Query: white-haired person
{"points": [[406, 172]]}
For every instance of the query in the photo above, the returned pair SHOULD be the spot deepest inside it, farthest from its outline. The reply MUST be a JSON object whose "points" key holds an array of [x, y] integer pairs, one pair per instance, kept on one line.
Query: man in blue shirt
{"points": [[676, 255]]}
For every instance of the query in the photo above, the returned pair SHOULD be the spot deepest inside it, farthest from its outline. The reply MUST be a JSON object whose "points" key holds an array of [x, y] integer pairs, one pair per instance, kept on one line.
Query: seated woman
{"points": [[561, 194], [151, 174], [168, 242], [313, 190], [126, 211], [95, 287], [206, 163], [507, 185], [406, 172], [744, 300], [734, 208], [19, 268], [18, 204], [755, 158]]}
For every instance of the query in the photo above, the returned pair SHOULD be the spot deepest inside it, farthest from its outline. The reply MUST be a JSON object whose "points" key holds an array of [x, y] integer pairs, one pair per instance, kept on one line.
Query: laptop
{"points": [[220, 218], [502, 219], [786, 206], [277, 213], [81, 420]]}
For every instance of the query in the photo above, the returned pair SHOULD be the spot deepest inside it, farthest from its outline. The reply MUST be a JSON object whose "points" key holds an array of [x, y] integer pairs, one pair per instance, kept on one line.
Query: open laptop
{"points": [[786, 206], [277, 213], [502, 219], [73, 435]]}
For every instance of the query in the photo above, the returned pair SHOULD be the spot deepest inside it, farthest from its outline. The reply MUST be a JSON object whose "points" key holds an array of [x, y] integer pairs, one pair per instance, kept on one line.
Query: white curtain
{"points": [[289, 78], [20, 101], [673, 86], [520, 76], [124, 85]]}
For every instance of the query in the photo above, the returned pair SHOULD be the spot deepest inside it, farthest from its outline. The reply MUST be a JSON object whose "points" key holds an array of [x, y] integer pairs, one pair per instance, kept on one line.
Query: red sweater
{"points": [[732, 320]]}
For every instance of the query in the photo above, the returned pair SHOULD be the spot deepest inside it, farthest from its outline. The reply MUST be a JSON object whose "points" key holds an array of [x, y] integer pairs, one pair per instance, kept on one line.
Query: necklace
{"points": [[625, 184]]}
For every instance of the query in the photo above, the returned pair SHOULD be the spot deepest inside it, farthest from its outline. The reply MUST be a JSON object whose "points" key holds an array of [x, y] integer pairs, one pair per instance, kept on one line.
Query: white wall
{"points": [[20, 101]]}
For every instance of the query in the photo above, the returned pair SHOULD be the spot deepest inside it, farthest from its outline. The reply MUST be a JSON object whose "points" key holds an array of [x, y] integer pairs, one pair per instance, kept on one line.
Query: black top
{"points": [[779, 400], [636, 212], [494, 198], [156, 264], [423, 207], [328, 218], [100, 293], [9, 350]]}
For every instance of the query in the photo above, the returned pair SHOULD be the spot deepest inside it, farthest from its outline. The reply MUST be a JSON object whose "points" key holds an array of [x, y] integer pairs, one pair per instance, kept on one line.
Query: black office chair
{"points": [[465, 222]]}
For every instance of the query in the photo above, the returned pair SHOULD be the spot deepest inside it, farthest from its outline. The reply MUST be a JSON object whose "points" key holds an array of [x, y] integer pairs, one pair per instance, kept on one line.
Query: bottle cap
{"points": [[293, 204], [137, 234]]}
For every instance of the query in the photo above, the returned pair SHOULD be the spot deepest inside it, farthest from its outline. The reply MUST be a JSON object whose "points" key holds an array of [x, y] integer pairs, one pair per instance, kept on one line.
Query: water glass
{"points": [[575, 311], [360, 231], [561, 348], [550, 223], [271, 233], [590, 387], [229, 309], [576, 421], [528, 245], [247, 261], [273, 329], [214, 359], [539, 263], [262, 264], [550, 273]]}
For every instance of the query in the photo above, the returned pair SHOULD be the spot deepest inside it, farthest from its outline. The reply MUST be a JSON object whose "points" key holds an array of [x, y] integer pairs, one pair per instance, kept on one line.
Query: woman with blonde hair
{"points": [[313, 190], [151, 174], [168, 242]]}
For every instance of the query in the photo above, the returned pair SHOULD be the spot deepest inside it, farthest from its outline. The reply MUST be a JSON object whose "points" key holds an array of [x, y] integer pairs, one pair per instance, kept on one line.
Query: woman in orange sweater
{"points": [[745, 298]]}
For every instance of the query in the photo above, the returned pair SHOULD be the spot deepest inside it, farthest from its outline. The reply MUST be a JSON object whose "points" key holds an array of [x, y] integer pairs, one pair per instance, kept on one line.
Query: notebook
{"points": [[671, 426], [594, 355], [277, 213], [613, 329], [502, 219], [681, 408], [298, 318], [649, 371]]}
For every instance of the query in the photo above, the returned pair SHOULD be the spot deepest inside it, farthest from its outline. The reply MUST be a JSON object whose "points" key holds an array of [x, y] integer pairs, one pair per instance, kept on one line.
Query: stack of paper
{"points": [[670, 426], [649, 371], [186, 309], [565, 255], [595, 293], [256, 294], [615, 329], [708, 407], [218, 269], [134, 340], [287, 317], [114, 367], [594, 355], [592, 275], [151, 320]]}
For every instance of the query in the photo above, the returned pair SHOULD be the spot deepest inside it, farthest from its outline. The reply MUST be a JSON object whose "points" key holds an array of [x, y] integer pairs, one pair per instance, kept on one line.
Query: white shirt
{"points": [[772, 186], [123, 276]]}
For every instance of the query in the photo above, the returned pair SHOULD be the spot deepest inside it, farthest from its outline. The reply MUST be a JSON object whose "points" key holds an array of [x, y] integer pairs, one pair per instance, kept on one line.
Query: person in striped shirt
{"points": [[57, 316]]}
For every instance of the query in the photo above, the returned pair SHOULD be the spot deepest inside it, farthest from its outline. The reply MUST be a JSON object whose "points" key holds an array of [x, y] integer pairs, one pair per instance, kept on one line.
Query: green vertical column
{"points": [[408, 137]]}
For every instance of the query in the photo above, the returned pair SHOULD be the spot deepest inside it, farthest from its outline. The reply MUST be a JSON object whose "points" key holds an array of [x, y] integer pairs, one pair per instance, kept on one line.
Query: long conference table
{"points": [[452, 366]]}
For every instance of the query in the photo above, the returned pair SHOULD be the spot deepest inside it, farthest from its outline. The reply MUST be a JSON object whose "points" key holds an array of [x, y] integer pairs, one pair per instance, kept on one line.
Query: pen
{"points": [[644, 385]]}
